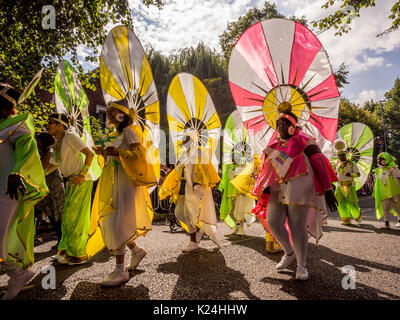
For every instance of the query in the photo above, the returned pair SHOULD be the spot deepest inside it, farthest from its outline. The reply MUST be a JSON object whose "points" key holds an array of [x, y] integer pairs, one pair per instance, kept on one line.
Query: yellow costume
{"points": [[122, 209], [196, 206]]}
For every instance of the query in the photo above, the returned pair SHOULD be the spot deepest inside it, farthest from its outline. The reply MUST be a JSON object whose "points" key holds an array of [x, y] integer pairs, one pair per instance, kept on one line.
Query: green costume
{"points": [[386, 185], [75, 222], [76, 219], [19, 156], [228, 193], [345, 192]]}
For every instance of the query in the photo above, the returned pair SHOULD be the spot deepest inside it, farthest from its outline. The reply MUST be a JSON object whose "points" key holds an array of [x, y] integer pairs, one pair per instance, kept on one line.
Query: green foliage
{"points": [[97, 132], [27, 47], [351, 112], [340, 19], [39, 110], [391, 114], [341, 76], [202, 62], [371, 114]]}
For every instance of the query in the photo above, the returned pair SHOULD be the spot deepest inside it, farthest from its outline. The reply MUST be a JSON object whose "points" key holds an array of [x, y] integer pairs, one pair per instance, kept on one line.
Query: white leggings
{"points": [[8, 208], [297, 219]]}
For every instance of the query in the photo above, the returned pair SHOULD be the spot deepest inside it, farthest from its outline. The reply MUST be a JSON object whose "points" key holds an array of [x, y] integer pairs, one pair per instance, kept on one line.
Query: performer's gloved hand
{"points": [[14, 185], [267, 190], [98, 150], [198, 190], [111, 151], [78, 179], [331, 200]]}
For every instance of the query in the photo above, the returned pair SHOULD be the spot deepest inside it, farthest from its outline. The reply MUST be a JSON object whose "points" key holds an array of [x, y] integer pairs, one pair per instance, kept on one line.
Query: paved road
{"points": [[241, 269]]}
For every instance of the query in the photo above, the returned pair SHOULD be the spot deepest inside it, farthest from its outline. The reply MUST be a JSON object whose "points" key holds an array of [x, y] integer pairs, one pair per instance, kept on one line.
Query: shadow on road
{"points": [[371, 227], [325, 282], [35, 291], [95, 291], [63, 272], [255, 243], [205, 275], [350, 228]]}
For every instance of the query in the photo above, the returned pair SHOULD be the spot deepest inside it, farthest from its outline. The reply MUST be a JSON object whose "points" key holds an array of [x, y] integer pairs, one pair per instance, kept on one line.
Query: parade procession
{"points": [[246, 174]]}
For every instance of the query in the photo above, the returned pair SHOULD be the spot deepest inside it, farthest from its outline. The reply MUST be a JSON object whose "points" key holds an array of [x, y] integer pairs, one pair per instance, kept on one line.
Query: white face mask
{"points": [[382, 163], [119, 117]]}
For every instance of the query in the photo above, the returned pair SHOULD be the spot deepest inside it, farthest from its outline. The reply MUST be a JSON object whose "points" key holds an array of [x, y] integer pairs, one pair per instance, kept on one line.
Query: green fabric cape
{"points": [[28, 166]]}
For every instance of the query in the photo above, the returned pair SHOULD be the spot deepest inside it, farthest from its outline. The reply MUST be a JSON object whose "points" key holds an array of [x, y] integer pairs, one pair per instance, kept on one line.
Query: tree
{"points": [[350, 9], [200, 61], [391, 114], [341, 76], [234, 29], [26, 46]]}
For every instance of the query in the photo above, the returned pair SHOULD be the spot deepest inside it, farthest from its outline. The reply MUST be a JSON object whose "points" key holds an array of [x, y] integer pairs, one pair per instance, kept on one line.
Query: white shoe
{"points": [[59, 255], [397, 225], [192, 246], [199, 236], [286, 261], [136, 257], [18, 279], [301, 273], [115, 278]]}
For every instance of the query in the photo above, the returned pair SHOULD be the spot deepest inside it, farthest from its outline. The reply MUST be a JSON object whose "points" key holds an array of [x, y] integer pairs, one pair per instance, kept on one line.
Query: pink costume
{"points": [[297, 184]]}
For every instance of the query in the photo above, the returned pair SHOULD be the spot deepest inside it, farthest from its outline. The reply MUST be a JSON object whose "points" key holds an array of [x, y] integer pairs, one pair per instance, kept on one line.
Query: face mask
{"points": [[119, 117]]}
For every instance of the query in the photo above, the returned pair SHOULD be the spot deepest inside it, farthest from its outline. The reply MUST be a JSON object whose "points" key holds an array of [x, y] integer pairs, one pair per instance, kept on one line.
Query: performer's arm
{"points": [[396, 172], [88, 161], [323, 172], [48, 166]]}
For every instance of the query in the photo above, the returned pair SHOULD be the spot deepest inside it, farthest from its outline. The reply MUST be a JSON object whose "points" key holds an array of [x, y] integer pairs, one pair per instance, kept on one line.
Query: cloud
{"points": [[185, 23], [359, 47], [367, 95]]}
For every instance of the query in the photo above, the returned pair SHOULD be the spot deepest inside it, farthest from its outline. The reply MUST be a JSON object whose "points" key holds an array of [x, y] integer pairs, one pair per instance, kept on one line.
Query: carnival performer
{"points": [[73, 157], [122, 201], [298, 179], [53, 204], [23, 183], [189, 185], [387, 189], [345, 192], [234, 203], [244, 182]]}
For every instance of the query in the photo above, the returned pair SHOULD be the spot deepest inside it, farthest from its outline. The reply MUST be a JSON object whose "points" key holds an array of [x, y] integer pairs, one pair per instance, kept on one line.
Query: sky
{"points": [[373, 62]]}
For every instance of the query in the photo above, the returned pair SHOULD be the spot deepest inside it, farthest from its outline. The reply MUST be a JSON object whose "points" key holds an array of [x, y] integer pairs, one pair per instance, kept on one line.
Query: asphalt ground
{"points": [[241, 269]]}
